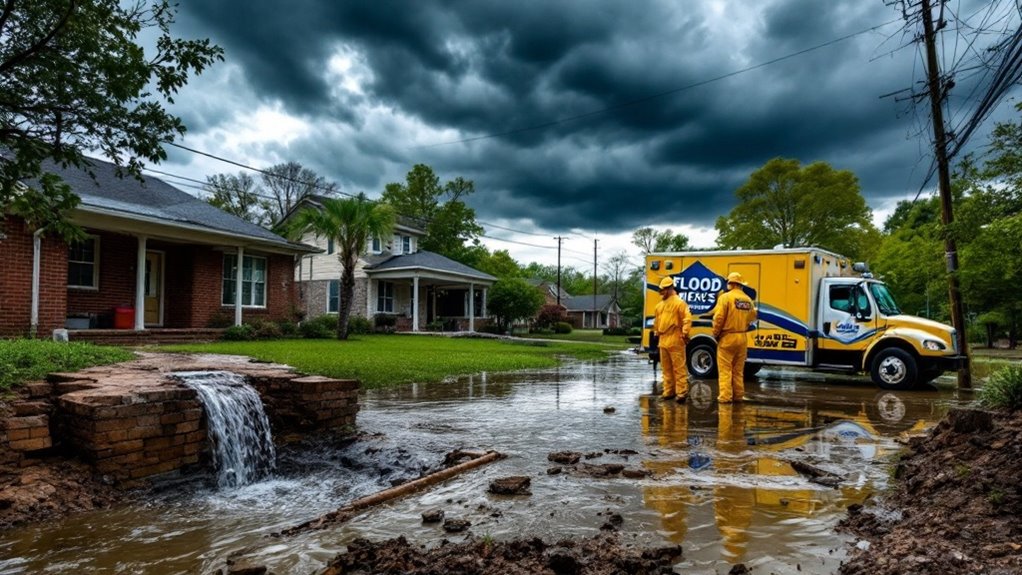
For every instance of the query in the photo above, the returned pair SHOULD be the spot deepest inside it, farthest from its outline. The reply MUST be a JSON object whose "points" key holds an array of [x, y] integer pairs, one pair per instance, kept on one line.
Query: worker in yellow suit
{"points": [[672, 323], [734, 312]]}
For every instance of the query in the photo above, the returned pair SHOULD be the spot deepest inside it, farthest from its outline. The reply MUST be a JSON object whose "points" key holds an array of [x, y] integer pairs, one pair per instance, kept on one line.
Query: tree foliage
{"points": [[511, 300], [450, 225], [239, 195], [650, 240], [350, 222], [286, 184], [74, 77], [784, 203]]}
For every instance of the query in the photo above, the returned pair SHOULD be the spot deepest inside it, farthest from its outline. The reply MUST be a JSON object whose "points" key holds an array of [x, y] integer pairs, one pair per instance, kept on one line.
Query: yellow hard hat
{"points": [[667, 283], [735, 278]]}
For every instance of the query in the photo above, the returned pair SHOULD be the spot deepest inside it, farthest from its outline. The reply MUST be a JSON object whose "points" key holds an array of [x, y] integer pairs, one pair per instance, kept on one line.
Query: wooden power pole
{"points": [[937, 94]]}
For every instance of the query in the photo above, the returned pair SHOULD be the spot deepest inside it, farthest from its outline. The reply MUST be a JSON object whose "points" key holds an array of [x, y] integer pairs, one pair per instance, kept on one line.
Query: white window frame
{"points": [[94, 263], [232, 279], [382, 297], [406, 244], [331, 283], [330, 246], [376, 245]]}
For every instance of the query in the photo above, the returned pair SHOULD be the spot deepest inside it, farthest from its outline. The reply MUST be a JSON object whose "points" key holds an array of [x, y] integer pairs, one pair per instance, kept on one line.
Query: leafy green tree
{"points": [[450, 225], [650, 240], [287, 183], [991, 272], [784, 203], [239, 195], [499, 264], [511, 300], [74, 77], [350, 222]]}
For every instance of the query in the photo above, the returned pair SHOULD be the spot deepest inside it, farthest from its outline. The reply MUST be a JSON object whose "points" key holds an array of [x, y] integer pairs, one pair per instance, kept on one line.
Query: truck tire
{"points": [[894, 368], [702, 360], [751, 369]]}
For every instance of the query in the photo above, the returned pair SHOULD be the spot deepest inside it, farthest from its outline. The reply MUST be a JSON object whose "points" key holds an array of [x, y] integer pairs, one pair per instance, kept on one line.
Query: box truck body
{"points": [[815, 310]]}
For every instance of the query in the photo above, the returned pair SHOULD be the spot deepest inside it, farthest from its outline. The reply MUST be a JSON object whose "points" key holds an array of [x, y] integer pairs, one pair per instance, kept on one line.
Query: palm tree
{"points": [[350, 222]]}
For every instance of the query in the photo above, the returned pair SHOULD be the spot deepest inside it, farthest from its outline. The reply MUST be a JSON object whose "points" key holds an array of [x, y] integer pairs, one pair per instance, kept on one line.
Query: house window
{"points": [[385, 297], [83, 264], [406, 244], [329, 246], [333, 298], [253, 280], [377, 245]]}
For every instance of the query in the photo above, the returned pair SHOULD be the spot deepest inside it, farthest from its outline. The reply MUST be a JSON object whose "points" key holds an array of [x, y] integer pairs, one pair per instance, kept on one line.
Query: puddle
{"points": [[723, 483]]}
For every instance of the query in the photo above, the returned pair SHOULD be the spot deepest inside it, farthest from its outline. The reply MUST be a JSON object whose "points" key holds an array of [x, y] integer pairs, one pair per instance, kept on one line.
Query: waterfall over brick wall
{"points": [[239, 431]]}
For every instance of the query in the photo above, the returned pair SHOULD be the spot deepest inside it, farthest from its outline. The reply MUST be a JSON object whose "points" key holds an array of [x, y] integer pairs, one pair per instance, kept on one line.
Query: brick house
{"points": [[418, 288], [150, 248], [593, 312]]}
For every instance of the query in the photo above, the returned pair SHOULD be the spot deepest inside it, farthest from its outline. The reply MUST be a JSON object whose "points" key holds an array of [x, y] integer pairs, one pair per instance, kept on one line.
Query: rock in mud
{"points": [[564, 457], [556, 470], [456, 525], [635, 473], [514, 485], [609, 409], [433, 516], [600, 555], [739, 569]]}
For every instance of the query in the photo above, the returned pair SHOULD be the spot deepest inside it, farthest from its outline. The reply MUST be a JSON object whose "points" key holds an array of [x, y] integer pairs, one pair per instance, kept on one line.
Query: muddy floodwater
{"points": [[723, 479]]}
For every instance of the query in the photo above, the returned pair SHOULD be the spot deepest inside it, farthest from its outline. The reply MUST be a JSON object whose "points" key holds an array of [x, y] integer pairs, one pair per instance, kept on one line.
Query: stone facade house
{"points": [[420, 290], [155, 259]]}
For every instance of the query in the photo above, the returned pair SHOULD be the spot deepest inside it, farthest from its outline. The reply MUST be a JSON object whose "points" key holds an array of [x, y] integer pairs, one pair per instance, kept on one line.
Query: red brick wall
{"points": [[207, 287], [16, 281], [117, 261]]}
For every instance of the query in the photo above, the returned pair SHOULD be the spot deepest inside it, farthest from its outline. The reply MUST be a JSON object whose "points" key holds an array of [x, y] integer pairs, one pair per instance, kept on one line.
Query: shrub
{"points": [[243, 332], [322, 327], [1003, 389], [550, 314], [562, 327], [436, 325], [615, 331], [287, 328], [384, 320], [359, 325], [541, 331], [264, 329]]}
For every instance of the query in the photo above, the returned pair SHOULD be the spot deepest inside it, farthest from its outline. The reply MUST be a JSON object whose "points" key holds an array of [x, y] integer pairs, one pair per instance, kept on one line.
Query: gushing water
{"points": [[238, 428]]}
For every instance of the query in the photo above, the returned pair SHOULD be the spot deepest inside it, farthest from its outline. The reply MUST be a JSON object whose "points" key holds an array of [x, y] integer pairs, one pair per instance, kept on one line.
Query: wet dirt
{"points": [[957, 505], [50, 488], [718, 480]]}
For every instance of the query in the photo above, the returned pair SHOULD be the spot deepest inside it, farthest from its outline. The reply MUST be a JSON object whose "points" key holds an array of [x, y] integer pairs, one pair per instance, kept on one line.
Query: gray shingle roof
{"points": [[153, 198], [429, 261], [585, 302]]}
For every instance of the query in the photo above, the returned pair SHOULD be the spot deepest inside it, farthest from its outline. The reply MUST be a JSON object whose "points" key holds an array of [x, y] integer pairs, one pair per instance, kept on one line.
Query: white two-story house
{"points": [[422, 290]]}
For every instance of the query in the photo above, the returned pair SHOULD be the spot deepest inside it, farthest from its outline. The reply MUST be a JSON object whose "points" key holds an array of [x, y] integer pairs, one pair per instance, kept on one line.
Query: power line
{"points": [[643, 99]]}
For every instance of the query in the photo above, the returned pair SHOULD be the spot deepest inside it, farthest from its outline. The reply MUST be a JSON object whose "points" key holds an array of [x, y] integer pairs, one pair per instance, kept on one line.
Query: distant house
{"points": [[155, 258], [593, 312], [420, 289], [550, 291]]}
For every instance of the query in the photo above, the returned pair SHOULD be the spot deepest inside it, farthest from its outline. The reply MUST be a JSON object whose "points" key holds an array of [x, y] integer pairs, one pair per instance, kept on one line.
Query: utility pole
{"points": [[559, 240], [595, 311], [937, 94]]}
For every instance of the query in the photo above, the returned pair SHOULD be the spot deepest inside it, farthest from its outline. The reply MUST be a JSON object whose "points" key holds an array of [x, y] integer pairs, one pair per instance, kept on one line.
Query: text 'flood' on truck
{"points": [[815, 309]]}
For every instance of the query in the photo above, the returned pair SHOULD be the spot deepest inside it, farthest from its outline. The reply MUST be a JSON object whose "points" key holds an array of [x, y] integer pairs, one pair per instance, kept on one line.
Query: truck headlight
{"points": [[934, 345]]}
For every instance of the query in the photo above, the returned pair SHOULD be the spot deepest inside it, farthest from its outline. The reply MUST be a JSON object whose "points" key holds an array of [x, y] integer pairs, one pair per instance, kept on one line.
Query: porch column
{"points": [[471, 307], [482, 312], [369, 299], [140, 285], [36, 256], [237, 285], [415, 303]]}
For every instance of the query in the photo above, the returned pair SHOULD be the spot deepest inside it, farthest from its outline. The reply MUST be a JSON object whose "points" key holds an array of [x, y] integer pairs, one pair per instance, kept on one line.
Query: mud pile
{"points": [[600, 555], [956, 507], [50, 489]]}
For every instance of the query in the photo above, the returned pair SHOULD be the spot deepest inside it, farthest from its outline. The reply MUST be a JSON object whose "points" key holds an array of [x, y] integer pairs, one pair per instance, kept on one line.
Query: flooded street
{"points": [[724, 482]]}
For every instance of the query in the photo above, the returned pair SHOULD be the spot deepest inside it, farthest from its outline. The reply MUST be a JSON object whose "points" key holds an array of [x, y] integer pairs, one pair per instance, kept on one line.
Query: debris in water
{"points": [[433, 516], [514, 485]]}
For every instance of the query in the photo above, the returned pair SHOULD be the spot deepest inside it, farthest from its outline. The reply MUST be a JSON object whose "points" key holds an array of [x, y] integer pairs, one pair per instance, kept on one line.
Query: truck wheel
{"points": [[894, 368], [702, 361], [751, 369]]}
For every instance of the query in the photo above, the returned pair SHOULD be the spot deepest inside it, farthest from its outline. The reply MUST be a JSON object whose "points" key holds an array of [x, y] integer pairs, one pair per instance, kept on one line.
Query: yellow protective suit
{"points": [[734, 312], [672, 322], [733, 505]]}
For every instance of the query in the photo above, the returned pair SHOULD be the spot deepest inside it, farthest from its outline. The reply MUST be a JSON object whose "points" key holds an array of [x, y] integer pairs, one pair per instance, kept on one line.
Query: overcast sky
{"points": [[360, 91]]}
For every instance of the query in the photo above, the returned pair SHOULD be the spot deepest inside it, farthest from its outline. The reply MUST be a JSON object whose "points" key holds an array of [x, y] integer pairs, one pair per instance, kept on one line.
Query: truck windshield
{"points": [[885, 301]]}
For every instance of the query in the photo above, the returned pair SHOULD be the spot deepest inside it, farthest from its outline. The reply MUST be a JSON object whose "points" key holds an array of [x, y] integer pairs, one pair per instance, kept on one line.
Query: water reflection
{"points": [[723, 484]]}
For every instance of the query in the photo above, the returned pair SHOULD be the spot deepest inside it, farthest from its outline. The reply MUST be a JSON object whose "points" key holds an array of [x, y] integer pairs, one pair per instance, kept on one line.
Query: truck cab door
{"points": [[847, 317]]}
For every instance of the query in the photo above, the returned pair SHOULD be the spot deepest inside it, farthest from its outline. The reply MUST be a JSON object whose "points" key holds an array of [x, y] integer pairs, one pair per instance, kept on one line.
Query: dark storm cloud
{"points": [[477, 68]]}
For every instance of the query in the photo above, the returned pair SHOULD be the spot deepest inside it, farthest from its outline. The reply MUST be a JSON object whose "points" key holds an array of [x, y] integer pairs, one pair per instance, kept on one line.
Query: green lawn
{"points": [[24, 360], [589, 335], [383, 360]]}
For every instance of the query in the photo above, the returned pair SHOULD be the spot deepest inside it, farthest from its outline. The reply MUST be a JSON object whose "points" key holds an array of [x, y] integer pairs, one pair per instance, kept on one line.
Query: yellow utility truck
{"points": [[816, 309]]}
